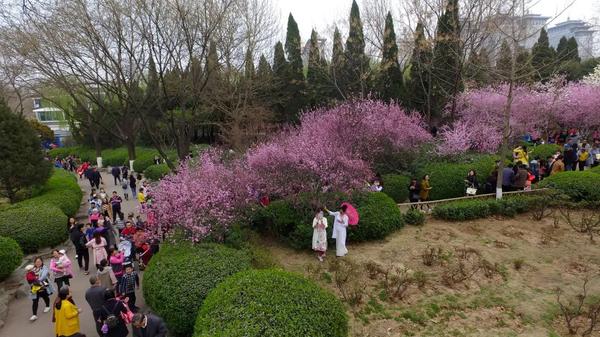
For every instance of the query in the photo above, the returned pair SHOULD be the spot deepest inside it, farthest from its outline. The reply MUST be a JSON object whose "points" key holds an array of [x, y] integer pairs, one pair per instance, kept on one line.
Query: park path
{"points": [[17, 322]]}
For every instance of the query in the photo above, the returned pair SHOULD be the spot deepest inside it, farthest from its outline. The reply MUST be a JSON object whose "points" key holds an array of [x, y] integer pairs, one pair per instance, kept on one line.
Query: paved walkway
{"points": [[17, 322]]}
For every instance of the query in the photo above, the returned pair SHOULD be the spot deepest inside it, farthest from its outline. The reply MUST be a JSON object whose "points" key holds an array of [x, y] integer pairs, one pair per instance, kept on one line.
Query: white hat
{"points": [[62, 251], [29, 267]]}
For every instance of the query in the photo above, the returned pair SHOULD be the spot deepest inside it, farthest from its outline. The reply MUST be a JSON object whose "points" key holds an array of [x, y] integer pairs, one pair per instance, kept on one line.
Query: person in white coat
{"points": [[340, 224], [319, 239]]}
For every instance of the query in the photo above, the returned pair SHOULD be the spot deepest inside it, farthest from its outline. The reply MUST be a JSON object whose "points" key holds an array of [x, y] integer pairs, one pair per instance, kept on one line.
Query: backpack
{"points": [[124, 184], [112, 320]]}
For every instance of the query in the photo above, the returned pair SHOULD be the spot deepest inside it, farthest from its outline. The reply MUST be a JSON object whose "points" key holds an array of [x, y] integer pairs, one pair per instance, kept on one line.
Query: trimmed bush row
{"points": [[480, 208], [396, 186], [10, 256], [579, 186], [270, 303], [543, 151], [156, 172], [34, 226], [179, 278], [447, 179], [292, 220], [113, 157], [61, 190]]}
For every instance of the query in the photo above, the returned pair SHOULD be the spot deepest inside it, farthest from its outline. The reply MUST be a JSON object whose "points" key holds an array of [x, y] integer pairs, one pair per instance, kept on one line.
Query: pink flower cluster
{"points": [[331, 147], [536, 110]]}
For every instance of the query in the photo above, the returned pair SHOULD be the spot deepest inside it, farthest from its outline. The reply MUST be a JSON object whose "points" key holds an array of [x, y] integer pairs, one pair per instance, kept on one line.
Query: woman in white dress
{"points": [[319, 239], [340, 225]]}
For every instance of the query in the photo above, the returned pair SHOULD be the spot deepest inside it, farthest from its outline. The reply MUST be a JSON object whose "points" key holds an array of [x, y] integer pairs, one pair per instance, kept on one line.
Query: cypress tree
{"points": [[264, 71], [337, 66], [264, 82], [561, 49], [419, 84], [357, 64], [524, 71], [446, 66], [280, 76], [478, 68], [504, 62], [295, 86], [249, 65], [543, 58], [390, 77], [316, 75], [573, 50]]}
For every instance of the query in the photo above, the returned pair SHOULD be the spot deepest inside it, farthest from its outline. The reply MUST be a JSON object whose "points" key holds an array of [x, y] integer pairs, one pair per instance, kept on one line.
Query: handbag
{"points": [[471, 191]]}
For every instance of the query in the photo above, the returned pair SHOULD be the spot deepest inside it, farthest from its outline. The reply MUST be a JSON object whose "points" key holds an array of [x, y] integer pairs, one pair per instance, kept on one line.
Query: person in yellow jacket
{"points": [[520, 155], [66, 314]]}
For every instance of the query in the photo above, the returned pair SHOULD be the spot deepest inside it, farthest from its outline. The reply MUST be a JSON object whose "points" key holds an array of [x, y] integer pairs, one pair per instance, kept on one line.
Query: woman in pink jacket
{"points": [[98, 244], [60, 265]]}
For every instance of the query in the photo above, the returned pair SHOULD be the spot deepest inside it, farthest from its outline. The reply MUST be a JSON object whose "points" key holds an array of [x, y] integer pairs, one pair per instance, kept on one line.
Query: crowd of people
{"points": [[120, 248]]}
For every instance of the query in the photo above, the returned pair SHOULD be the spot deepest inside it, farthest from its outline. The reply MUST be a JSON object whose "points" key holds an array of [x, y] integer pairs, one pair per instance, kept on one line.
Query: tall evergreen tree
{"points": [[524, 71], [561, 49], [573, 50], [504, 62], [356, 61], [23, 163], [337, 66], [419, 86], [446, 67], [316, 75], [264, 79], [264, 71], [478, 68], [295, 86], [390, 76], [280, 80], [543, 58], [249, 65]]}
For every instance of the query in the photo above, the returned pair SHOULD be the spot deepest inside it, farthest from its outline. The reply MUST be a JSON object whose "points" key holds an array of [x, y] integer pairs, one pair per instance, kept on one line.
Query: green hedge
{"points": [[396, 186], [179, 278], [156, 172], [34, 225], [543, 151], [10, 256], [114, 157], [414, 217], [292, 219], [481, 208], [379, 216], [270, 303], [61, 190], [447, 178], [579, 186]]}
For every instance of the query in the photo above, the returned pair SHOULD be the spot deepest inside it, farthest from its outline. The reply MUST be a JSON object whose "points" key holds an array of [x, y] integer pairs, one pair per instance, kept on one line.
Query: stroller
{"points": [[126, 247]]}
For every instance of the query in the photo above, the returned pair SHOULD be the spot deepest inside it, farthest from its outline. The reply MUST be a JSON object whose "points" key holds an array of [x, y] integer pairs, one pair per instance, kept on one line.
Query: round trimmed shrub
{"points": [[156, 172], [10, 256], [414, 217], [543, 151], [60, 190], [34, 226], [270, 303], [579, 186], [447, 178], [179, 278], [379, 216], [396, 186]]}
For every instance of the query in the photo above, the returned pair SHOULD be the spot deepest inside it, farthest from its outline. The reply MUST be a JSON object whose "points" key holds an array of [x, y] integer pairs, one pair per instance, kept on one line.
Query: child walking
{"points": [[129, 282]]}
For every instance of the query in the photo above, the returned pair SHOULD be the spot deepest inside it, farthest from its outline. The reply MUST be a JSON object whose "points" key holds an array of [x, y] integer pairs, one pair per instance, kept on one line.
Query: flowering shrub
{"points": [[537, 110], [331, 149]]}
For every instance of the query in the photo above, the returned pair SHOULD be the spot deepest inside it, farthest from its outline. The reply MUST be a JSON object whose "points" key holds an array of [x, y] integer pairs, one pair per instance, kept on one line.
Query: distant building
{"points": [[580, 30], [306, 49], [54, 118]]}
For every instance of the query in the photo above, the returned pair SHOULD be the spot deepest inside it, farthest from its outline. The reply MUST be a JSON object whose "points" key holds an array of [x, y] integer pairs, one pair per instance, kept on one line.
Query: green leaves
{"points": [[10, 256]]}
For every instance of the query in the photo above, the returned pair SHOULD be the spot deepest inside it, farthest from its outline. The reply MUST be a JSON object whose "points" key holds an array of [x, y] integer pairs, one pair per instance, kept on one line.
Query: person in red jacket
{"points": [[129, 230]]}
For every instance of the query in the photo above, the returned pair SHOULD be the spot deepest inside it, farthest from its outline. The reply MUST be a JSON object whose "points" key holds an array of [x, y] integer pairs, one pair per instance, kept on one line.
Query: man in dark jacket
{"points": [[95, 298], [148, 325], [116, 173], [96, 178]]}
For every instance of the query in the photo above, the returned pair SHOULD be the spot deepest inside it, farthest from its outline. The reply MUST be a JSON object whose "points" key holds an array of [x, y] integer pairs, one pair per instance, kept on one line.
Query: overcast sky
{"points": [[321, 13]]}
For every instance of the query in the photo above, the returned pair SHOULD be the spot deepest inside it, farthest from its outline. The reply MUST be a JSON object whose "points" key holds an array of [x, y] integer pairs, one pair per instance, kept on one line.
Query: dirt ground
{"points": [[488, 277]]}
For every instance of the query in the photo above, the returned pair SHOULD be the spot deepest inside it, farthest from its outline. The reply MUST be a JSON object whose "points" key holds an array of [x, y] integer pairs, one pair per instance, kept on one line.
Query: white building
{"points": [[54, 118], [580, 30]]}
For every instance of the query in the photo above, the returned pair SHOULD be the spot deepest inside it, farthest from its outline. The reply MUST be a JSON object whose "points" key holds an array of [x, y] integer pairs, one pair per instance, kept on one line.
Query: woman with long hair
{"points": [[319, 239], [340, 225], [98, 244]]}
